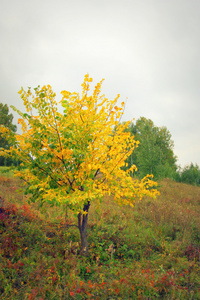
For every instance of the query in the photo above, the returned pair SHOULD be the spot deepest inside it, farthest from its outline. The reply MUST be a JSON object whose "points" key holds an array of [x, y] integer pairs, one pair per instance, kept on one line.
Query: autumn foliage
{"points": [[75, 157]]}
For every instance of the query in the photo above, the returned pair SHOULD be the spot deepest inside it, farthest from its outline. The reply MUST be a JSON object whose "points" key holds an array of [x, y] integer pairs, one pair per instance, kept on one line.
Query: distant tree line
{"points": [[190, 174]]}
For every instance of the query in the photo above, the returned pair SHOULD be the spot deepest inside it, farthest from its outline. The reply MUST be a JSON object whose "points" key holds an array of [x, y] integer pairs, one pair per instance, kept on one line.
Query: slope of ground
{"points": [[151, 251]]}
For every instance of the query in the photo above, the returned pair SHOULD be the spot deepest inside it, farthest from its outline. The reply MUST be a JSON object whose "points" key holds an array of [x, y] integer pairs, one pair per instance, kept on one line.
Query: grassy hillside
{"points": [[151, 251]]}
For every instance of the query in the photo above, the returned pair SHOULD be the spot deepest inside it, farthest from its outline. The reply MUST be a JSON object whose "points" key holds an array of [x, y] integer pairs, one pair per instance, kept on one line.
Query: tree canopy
{"points": [[154, 154], [74, 157]]}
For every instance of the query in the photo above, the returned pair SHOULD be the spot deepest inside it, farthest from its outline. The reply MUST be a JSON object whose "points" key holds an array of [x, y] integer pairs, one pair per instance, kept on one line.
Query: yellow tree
{"points": [[74, 158]]}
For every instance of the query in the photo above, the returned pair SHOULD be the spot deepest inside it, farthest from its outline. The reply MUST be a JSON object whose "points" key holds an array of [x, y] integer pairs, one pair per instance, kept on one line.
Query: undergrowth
{"points": [[151, 251]]}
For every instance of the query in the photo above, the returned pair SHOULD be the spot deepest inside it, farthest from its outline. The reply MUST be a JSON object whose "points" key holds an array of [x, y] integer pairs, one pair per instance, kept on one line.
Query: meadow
{"points": [[150, 251]]}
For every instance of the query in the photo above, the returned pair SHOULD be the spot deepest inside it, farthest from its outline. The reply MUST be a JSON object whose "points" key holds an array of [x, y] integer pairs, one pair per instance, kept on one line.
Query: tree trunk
{"points": [[82, 226]]}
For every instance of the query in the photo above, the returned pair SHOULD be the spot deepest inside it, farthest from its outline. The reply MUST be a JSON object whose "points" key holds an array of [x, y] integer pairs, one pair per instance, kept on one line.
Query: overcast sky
{"points": [[147, 50]]}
